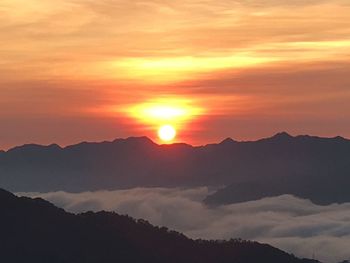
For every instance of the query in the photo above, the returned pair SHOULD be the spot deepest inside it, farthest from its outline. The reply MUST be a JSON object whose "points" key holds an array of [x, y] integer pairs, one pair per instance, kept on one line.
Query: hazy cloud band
{"points": [[292, 224]]}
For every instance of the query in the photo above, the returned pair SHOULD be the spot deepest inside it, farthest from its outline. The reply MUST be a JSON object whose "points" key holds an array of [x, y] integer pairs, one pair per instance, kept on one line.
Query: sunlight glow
{"points": [[169, 69], [166, 133], [166, 110], [165, 115]]}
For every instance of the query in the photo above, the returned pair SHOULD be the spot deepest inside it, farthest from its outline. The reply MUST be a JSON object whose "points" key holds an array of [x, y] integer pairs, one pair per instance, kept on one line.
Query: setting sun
{"points": [[166, 133], [165, 116]]}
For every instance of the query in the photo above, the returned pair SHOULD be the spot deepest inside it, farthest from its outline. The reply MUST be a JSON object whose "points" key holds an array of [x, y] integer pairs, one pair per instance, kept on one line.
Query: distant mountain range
{"points": [[34, 230], [305, 166]]}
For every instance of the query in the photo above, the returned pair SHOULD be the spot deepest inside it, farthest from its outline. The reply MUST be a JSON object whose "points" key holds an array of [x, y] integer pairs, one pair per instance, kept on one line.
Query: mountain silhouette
{"points": [[306, 166], [34, 230]]}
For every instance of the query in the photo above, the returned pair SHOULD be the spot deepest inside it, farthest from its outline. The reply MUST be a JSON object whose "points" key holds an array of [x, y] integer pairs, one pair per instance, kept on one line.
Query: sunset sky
{"points": [[74, 70]]}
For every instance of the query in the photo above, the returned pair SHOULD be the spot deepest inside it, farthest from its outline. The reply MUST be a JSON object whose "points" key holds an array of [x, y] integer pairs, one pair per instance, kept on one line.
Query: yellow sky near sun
{"points": [[162, 111]]}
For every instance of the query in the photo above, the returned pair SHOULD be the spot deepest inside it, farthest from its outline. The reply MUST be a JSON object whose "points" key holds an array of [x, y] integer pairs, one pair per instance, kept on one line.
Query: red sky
{"points": [[71, 69]]}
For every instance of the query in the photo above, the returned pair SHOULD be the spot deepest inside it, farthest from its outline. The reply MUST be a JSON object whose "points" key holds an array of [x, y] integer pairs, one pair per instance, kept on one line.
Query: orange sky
{"points": [[70, 69]]}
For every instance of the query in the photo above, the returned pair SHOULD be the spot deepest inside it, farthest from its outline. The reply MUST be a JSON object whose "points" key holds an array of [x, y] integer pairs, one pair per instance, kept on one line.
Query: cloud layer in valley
{"points": [[292, 224]]}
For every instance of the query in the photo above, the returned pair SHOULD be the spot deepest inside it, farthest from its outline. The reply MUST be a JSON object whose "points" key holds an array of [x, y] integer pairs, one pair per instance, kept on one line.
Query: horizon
{"points": [[220, 119], [208, 69], [177, 142]]}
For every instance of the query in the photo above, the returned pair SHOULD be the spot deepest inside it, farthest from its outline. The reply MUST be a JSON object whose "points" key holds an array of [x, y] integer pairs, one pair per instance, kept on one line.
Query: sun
{"points": [[166, 133], [165, 116]]}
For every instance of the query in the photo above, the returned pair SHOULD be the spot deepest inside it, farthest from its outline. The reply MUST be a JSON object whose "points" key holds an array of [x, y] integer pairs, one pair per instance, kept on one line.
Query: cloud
{"points": [[72, 38], [279, 64], [292, 224]]}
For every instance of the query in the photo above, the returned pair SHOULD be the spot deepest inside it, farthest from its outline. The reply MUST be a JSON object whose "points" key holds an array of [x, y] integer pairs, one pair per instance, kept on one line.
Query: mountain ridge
{"points": [[34, 230], [279, 135], [290, 164]]}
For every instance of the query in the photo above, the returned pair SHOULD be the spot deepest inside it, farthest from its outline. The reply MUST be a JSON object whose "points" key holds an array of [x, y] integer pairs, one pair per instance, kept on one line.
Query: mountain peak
{"points": [[142, 140], [34, 147], [282, 135], [228, 140], [339, 138]]}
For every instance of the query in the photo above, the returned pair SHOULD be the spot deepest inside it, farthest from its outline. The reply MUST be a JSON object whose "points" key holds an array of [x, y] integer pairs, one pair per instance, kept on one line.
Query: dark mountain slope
{"points": [[281, 162], [33, 230], [310, 167], [318, 193]]}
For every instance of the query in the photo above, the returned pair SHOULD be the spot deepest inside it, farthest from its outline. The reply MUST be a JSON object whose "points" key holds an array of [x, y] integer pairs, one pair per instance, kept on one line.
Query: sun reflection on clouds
{"points": [[172, 69], [165, 110]]}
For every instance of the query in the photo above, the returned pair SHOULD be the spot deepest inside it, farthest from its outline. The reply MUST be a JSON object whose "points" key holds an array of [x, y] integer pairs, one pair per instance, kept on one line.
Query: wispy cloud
{"points": [[244, 60], [104, 39]]}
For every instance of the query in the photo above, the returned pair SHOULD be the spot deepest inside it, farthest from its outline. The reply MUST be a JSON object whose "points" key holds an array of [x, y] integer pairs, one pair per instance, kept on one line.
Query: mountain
{"points": [[315, 168], [34, 230], [318, 193], [306, 166]]}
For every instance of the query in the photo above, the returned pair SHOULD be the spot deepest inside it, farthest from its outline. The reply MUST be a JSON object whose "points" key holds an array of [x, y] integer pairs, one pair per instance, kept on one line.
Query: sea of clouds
{"points": [[289, 223]]}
